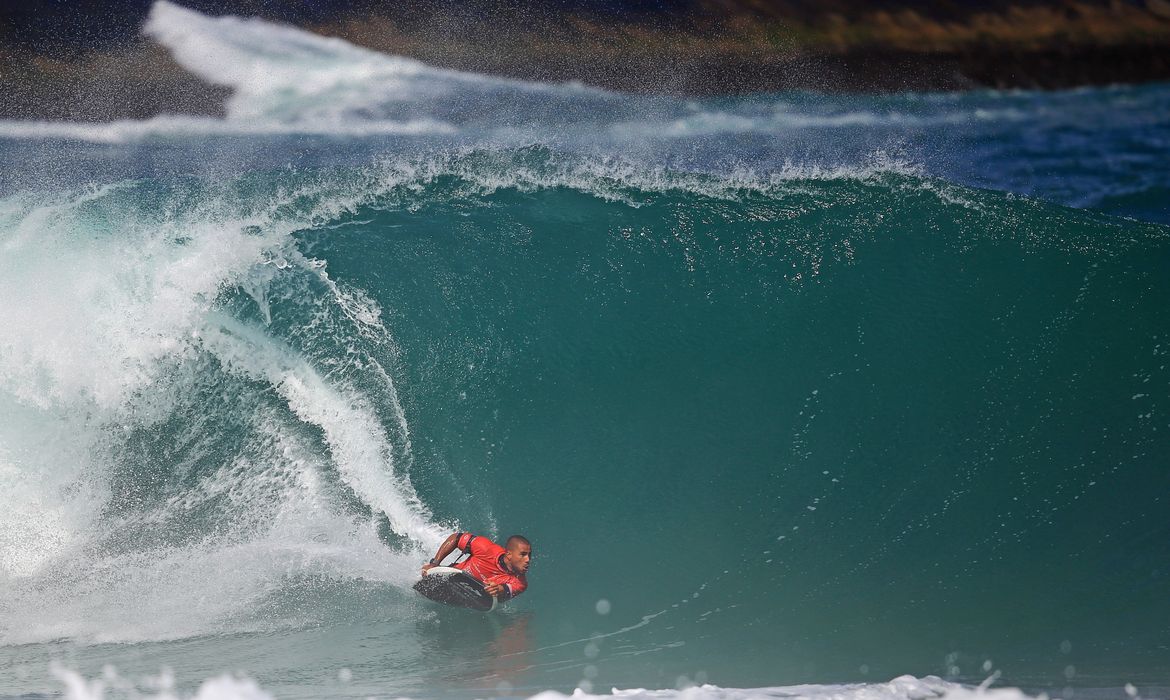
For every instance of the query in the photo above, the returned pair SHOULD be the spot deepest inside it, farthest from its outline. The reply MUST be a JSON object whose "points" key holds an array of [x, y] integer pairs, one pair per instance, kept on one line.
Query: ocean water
{"points": [[797, 396]]}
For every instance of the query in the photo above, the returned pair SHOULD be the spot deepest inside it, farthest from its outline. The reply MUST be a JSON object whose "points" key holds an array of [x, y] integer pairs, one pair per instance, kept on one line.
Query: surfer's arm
{"points": [[445, 549], [506, 589]]}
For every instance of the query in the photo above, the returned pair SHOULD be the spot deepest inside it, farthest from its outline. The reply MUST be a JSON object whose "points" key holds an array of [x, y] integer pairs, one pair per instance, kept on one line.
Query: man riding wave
{"points": [[502, 570]]}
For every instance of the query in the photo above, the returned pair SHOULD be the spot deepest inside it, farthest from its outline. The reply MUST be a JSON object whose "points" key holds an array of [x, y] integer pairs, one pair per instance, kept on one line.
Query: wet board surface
{"points": [[450, 586]]}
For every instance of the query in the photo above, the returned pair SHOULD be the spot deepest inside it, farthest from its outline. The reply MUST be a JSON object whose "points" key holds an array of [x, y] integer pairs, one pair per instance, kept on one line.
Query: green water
{"points": [[929, 395]]}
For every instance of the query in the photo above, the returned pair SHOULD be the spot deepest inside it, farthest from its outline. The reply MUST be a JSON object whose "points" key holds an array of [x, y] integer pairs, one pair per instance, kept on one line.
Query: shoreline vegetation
{"points": [[713, 47]]}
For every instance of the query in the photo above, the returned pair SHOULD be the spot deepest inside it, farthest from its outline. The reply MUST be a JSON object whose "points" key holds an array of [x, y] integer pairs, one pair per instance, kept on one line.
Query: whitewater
{"points": [[797, 395]]}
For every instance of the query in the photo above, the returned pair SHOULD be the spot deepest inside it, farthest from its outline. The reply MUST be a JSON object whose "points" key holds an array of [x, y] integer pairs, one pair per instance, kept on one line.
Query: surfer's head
{"points": [[518, 553]]}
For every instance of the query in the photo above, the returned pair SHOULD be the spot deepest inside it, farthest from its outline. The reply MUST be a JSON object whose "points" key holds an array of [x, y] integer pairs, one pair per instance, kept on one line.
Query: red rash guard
{"points": [[487, 563]]}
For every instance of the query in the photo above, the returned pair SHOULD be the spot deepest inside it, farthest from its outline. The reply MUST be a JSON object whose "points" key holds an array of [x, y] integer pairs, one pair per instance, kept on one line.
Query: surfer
{"points": [[502, 570]]}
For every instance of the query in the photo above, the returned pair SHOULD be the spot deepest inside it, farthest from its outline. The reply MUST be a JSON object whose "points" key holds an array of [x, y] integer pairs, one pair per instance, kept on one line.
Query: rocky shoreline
{"points": [[831, 53], [867, 70]]}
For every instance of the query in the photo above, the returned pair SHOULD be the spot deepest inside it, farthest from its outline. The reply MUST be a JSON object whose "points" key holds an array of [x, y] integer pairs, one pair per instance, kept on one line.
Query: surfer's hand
{"points": [[493, 588], [427, 567]]}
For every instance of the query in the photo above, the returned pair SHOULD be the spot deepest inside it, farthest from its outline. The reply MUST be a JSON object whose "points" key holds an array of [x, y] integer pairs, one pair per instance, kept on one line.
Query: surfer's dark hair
{"points": [[516, 539]]}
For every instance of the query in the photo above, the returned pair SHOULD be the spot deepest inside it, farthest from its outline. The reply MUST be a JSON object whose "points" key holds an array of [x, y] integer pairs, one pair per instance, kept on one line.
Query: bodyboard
{"points": [[450, 586]]}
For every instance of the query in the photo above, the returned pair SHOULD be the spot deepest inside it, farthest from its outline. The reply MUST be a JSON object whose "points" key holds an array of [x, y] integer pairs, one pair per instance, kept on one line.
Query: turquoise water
{"points": [[785, 390]]}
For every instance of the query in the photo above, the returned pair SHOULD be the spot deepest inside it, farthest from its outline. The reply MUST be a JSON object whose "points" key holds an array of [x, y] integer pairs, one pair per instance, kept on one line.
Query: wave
{"points": [[128, 310], [132, 306], [263, 398]]}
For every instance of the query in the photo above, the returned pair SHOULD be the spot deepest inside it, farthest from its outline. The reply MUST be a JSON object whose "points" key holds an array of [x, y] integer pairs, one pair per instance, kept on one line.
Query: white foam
{"points": [[49, 493], [484, 171], [89, 315], [359, 445], [88, 321], [901, 688], [281, 72], [286, 80], [227, 687], [111, 685], [185, 127], [111, 316], [782, 118]]}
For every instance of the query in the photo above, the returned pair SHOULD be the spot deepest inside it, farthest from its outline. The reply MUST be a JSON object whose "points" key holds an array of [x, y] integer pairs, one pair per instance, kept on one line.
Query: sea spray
{"points": [[113, 337]]}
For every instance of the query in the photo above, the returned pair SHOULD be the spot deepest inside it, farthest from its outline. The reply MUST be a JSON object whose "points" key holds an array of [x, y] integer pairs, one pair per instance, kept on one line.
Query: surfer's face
{"points": [[518, 556]]}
